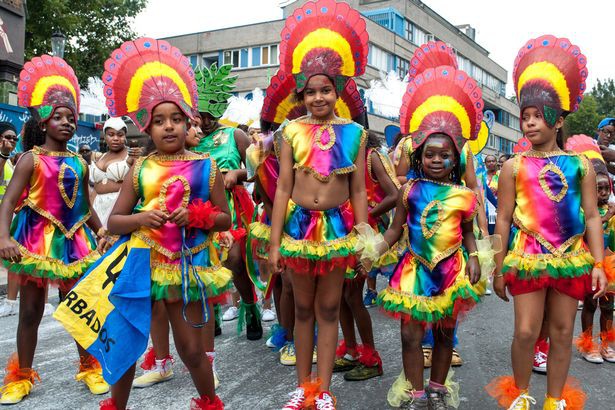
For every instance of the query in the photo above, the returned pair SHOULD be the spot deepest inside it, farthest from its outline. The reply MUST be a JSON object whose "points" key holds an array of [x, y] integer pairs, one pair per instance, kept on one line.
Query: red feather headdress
{"points": [[324, 37], [145, 72], [549, 73], [431, 55], [46, 83]]}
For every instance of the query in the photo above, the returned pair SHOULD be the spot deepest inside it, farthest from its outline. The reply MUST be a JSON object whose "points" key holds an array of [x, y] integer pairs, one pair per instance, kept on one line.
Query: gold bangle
{"points": [[101, 232], [499, 275], [598, 265], [475, 253]]}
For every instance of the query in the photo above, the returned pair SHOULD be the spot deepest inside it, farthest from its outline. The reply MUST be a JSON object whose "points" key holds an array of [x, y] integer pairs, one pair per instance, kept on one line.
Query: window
{"points": [[408, 30], [419, 37], [232, 57], [269, 55], [379, 58], [208, 60], [464, 64], [402, 67]]}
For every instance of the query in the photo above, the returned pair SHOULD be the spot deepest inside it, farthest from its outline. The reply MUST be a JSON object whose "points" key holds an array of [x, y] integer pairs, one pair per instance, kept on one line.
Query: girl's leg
{"points": [[347, 325], [529, 311], [287, 306], [412, 352], [442, 353], [277, 295], [327, 309], [304, 289], [159, 330], [561, 312], [31, 307], [353, 297], [241, 279], [606, 312], [208, 331], [189, 344], [587, 314], [120, 391]]}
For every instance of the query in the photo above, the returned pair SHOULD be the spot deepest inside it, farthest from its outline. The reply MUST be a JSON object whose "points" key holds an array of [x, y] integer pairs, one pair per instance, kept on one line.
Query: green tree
{"points": [[93, 29], [604, 92], [585, 120]]}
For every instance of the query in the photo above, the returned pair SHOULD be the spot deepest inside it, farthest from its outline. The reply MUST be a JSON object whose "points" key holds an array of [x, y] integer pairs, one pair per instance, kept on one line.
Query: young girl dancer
{"points": [[153, 206], [550, 196], [435, 279], [50, 239], [321, 189]]}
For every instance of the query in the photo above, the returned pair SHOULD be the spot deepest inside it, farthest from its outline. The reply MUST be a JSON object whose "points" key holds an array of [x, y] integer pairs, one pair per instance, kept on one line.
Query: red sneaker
{"points": [[541, 350], [297, 399]]}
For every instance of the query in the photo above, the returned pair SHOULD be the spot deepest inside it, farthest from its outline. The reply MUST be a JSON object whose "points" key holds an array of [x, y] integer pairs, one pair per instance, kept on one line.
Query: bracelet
{"points": [[5, 156], [499, 275], [598, 265], [475, 253], [101, 232]]}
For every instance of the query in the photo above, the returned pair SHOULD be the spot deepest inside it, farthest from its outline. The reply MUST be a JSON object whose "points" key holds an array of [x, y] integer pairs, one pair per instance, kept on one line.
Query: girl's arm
{"points": [[122, 221], [506, 207], [392, 235], [21, 177], [94, 222], [267, 204], [402, 168], [283, 192], [472, 183], [387, 185], [469, 243], [218, 198], [593, 230], [358, 196], [243, 142]]}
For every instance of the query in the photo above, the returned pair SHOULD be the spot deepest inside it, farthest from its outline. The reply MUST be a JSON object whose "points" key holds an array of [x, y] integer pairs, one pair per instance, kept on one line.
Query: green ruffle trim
{"points": [[317, 251], [48, 268], [571, 265], [173, 292]]}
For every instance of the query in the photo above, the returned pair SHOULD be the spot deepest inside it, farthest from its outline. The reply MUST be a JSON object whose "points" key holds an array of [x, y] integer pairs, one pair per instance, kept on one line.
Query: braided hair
{"points": [[32, 134]]}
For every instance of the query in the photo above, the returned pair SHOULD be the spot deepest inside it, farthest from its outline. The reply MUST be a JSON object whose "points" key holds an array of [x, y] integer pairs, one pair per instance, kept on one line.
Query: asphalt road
{"points": [[252, 378]]}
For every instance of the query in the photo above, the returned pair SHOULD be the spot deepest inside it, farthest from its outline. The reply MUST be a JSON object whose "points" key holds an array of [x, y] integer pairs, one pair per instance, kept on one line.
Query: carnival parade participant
{"points": [[547, 265], [227, 146], [51, 238], [320, 195]]}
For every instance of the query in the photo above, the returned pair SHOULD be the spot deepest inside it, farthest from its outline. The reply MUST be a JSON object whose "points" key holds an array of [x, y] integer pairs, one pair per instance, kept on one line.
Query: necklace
{"points": [[330, 132]]}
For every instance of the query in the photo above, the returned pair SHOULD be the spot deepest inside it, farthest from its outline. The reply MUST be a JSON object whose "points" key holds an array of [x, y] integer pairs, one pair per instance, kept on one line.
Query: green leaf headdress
{"points": [[214, 88]]}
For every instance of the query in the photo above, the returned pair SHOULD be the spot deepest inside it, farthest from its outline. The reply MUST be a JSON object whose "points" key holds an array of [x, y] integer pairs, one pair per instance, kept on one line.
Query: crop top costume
{"points": [[429, 284], [103, 203], [49, 226], [321, 241], [547, 248]]}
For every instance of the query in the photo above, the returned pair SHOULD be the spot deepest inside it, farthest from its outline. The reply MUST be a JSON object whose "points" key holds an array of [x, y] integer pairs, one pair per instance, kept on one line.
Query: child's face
{"points": [[603, 187], [61, 125], [319, 97], [535, 127], [168, 128], [438, 157]]}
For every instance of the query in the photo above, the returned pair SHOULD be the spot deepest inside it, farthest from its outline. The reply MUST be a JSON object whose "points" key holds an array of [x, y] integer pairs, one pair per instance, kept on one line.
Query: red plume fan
{"points": [[143, 73], [582, 144], [277, 107], [352, 99], [431, 55], [332, 15], [522, 145]]}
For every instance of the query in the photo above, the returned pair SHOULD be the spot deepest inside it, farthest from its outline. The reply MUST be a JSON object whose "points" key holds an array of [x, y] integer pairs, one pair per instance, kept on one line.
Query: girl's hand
{"points": [[499, 287], [179, 217], [230, 179], [275, 259], [9, 250], [599, 283], [473, 269], [152, 219], [361, 269], [226, 239]]}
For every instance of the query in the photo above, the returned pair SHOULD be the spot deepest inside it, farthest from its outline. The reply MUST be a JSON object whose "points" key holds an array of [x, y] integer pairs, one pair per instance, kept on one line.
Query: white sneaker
{"points": [[297, 398], [9, 307], [162, 371], [268, 315], [49, 309], [540, 362], [488, 292], [232, 313], [325, 401], [593, 356]]}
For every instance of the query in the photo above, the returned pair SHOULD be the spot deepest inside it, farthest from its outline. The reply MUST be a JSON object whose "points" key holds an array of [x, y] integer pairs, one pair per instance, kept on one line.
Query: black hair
{"points": [[243, 127], [373, 140], [300, 95], [267, 126], [32, 135], [506, 157], [397, 138], [417, 163], [560, 138], [491, 155]]}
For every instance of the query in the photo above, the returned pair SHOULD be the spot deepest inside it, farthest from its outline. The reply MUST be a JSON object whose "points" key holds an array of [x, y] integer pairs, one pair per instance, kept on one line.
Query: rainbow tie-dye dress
{"points": [[429, 284], [165, 183], [546, 248], [49, 225]]}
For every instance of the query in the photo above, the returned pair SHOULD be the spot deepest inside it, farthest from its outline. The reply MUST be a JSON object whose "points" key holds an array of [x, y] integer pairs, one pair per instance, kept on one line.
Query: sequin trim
{"points": [[162, 197], [436, 259], [429, 232], [169, 254], [70, 202], [318, 137], [559, 251], [67, 232], [545, 187]]}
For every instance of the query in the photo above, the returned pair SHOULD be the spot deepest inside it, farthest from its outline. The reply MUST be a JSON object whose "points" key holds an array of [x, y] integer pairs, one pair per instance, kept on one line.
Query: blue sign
{"points": [[86, 131]]}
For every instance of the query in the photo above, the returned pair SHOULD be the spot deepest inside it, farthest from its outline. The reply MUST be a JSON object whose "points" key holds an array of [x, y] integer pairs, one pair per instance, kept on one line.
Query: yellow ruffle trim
{"points": [[570, 265], [316, 251], [38, 266], [260, 231], [389, 258], [216, 277], [431, 309]]}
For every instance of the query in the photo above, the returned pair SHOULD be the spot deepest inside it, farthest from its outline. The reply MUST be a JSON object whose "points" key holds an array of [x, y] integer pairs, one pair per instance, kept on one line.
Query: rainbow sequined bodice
{"points": [[166, 183], [56, 189], [220, 145], [548, 197], [262, 162], [435, 213], [324, 148], [375, 193]]}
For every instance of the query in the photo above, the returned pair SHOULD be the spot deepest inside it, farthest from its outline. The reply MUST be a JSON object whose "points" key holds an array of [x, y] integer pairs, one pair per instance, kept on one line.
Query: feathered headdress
{"points": [[583, 144], [431, 55], [46, 83], [442, 100], [324, 37], [280, 103], [549, 74], [143, 73], [215, 86], [477, 145]]}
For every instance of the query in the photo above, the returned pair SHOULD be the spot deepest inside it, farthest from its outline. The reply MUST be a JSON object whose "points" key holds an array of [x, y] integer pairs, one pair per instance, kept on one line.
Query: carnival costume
{"points": [[546, 248], [170, 262], [49, 225]]}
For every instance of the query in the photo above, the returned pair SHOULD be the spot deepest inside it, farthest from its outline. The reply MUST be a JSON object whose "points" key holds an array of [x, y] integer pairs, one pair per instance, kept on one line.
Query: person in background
{"points": [[86, 153], [503, 158]]}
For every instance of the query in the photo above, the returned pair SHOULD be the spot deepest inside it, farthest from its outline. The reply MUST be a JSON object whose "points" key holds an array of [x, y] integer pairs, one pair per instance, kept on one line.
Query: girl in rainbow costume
{"points": [[320, 195], [170, 204], [549, 196], [51, 238], [437, 277]]}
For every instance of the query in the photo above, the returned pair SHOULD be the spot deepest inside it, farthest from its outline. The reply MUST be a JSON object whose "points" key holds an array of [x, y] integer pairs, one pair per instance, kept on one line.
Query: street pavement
{"points": [[252, 378]]}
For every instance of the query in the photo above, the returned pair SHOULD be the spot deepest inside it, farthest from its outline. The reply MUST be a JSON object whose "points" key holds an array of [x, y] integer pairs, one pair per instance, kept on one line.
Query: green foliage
{"points": [[585, 120], [604, 92], [93, 29], [214, 88]]}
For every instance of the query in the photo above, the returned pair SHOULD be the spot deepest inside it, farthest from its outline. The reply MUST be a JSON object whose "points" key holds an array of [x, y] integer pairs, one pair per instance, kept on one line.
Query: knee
{"points": [[303, 312], [30, 315], [526, 335], [410, 340], [328, 313], [192, 356], [561, 333]]}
